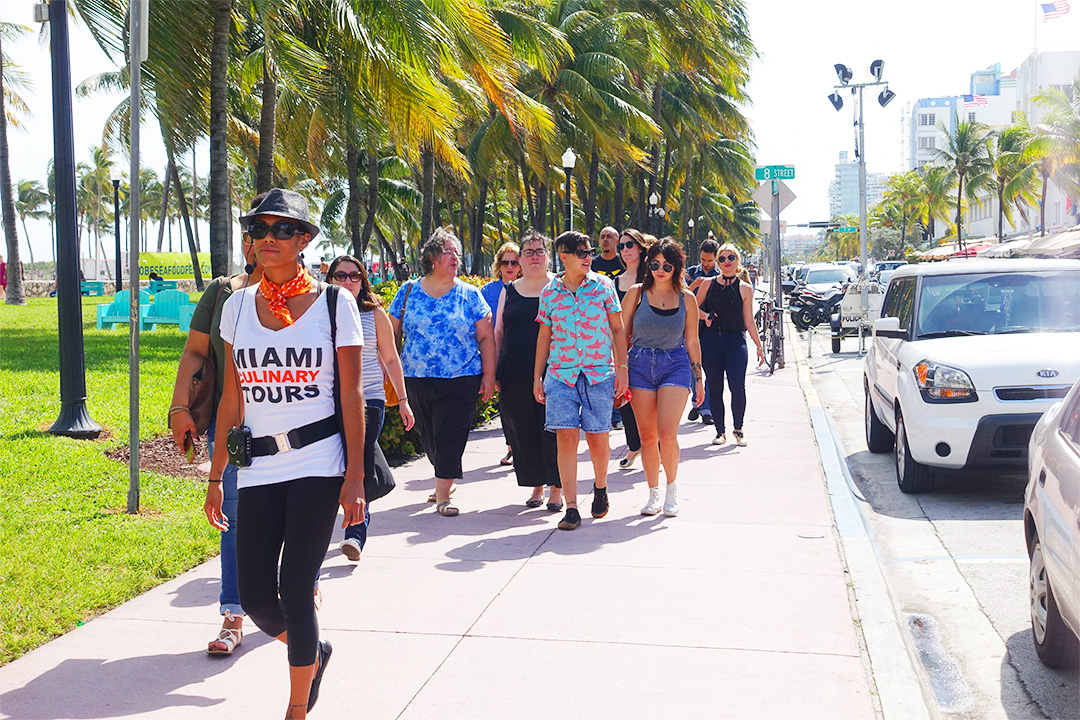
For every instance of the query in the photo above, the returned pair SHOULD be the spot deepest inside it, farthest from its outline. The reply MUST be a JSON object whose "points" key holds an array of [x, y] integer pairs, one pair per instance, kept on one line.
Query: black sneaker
{"points": [[324, 659], [570, 521], [694, 414], [599, 502], [707, 419]]}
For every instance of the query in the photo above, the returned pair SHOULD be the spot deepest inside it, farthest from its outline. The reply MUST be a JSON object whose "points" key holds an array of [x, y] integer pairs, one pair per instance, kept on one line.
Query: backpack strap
{"points": [[331, 307]]}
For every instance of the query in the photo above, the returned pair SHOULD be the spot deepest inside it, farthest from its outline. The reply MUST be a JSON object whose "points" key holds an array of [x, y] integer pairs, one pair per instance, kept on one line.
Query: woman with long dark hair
{"points": [[665, 366], [379, 356], [277, 418]]}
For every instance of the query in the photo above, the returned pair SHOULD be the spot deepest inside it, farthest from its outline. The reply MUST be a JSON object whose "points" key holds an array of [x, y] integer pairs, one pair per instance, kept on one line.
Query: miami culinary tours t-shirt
{"points": [[287, 381]]}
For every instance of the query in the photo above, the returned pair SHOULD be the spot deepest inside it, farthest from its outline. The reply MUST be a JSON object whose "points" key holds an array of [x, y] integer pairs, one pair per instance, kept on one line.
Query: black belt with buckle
{"points": [[296, 438]]}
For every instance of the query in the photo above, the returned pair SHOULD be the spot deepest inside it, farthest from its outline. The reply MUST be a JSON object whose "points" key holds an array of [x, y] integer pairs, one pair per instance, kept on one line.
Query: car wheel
{"points": [[911, 476], [1055, 644], [836, 344], [879, 438]]}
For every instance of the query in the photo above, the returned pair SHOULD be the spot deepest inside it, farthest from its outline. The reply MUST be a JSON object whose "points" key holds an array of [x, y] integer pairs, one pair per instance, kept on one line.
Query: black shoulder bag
{"points": [[378, 480]]}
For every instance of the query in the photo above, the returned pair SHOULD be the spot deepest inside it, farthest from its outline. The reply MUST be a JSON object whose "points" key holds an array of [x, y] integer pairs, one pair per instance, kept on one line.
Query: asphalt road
{"points": [[956, 565]]}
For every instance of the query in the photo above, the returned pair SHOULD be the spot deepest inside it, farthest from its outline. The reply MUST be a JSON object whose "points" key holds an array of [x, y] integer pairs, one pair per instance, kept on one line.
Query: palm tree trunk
{"points": [[28, 245], [541, 205], [590, 197], [520, 219], [164, 205], [372, 198], [1042, 206], [959, 217], [618, 219], [195, 201], [654, 160], [264, 170], [1001, 212], [388, 249], [498, 220], [664, 175], [427, 161], [352, 164], [14, 295], [528, 197], [219, 141], [187, 224], [478, 231]]}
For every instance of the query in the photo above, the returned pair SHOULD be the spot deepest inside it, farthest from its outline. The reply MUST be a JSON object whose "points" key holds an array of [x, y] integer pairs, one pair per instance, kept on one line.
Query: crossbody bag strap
{"points": [[400, 336]]}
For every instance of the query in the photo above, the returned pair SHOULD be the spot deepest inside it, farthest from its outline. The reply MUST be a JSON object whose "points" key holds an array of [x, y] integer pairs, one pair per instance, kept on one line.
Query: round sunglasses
{"points": [[727, 258], [668, 267]]}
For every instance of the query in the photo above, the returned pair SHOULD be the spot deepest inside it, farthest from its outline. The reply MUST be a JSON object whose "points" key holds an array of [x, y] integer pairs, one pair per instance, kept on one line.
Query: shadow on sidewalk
{"points": [[84, 688]]}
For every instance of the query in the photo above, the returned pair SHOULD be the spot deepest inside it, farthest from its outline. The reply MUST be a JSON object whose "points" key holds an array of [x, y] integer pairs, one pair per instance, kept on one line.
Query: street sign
{"points": [[763, 196], [846, 230], [774, 172]]}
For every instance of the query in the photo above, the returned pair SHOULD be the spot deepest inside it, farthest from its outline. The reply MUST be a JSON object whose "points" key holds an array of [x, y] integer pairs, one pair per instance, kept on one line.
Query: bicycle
{"points": [[771, 335]]}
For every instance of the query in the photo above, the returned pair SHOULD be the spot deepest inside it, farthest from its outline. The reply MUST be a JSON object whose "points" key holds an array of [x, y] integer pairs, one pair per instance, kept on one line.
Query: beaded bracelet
{"points": [[177, 408]]}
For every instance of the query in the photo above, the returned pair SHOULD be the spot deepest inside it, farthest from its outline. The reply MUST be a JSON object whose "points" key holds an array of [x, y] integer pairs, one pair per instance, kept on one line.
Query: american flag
{"points": [[971, 101], [1055, 9]]}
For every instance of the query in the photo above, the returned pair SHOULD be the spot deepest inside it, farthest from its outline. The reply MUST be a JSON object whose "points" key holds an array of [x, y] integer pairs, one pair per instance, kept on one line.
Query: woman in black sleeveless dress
{"points": [[516, 331]]}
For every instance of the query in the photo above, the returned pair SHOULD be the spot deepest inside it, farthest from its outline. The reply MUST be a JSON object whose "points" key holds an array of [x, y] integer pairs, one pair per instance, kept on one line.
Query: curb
{"points": [[902, 690]]}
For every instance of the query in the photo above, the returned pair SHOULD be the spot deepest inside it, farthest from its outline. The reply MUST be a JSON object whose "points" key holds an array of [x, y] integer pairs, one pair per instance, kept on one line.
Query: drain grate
{"points": [[942, 671]]}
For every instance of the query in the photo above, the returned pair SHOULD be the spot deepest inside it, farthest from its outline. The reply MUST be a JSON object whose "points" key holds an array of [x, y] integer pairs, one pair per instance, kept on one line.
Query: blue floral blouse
{"points": [[440, 333]]}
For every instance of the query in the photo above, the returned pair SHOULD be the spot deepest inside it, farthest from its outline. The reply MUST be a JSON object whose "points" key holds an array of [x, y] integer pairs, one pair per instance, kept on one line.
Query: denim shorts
{"points": [[582, 405], [652, 369]]}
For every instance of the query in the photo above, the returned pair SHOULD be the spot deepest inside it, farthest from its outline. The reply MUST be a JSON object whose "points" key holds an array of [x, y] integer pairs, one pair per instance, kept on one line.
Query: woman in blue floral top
{"points": [[448, 356]]}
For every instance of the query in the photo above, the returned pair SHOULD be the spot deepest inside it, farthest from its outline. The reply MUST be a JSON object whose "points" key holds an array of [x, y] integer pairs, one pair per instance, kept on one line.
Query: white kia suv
{"points": [[965, 358]]}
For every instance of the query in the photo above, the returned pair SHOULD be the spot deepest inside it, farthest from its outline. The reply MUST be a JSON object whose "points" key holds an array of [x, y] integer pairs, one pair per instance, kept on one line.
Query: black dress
{"points": [[535, 449]]}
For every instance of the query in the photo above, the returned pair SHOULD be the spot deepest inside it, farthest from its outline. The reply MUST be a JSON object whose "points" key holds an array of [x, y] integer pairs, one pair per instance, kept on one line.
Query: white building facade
{"points": [[844, 189]]}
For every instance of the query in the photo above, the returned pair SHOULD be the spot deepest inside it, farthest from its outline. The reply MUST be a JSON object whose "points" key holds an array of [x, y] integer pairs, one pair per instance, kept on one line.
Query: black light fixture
{"points": [[837, 101], [877, 68], [843, 73], [885, 97]]}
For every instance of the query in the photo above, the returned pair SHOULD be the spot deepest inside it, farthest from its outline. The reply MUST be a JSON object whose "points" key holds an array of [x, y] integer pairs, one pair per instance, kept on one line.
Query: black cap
{"points": [[284, 203]]}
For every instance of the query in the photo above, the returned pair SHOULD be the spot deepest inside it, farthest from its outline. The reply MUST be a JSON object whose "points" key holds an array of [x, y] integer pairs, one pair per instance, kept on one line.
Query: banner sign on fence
{"points": [[172, 266]]}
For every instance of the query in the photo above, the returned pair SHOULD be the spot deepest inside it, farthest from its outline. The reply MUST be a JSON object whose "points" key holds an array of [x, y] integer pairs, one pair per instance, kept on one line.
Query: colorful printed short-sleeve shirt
{"points": [[440, 333], [581, 339]]}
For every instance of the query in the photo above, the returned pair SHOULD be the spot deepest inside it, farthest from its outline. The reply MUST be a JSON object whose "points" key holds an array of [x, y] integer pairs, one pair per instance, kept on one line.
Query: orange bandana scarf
{"points": [[276, 295]]}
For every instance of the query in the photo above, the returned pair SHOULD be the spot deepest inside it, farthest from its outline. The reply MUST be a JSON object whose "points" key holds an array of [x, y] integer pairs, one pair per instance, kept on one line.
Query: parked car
{"points": [[965, 358], [1052, 530]]}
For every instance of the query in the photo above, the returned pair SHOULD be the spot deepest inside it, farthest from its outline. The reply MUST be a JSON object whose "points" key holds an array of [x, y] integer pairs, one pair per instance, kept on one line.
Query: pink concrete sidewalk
{"points": [[737, 608]]}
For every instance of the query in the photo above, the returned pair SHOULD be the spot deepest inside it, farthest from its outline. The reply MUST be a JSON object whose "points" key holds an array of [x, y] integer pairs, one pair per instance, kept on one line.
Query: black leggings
{"points": [[293, 519], [724, 353], [444, 410], [629, 422]]}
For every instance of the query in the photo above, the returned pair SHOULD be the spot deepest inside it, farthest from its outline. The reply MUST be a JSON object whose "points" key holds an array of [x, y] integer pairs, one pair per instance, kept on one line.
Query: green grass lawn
{"points": [[68, 549]]}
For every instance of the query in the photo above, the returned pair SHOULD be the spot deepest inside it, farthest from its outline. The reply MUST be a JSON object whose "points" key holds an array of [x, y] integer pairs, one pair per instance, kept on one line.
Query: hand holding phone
{"points": [[189, 446]]}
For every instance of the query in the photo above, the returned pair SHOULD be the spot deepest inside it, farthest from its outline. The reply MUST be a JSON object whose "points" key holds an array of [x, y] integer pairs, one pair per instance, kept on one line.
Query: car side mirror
{"points": [[889, 327]]}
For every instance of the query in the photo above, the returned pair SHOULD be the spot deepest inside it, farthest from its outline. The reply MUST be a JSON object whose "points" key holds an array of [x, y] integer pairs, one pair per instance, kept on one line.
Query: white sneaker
{"points": [[653, 506], [719, 439], [350, 549], [671, 500], [740, 439]]}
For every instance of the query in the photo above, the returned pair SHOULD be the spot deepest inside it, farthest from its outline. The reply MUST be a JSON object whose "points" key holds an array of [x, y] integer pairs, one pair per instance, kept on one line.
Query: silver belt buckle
{"points": [[282, 440]]}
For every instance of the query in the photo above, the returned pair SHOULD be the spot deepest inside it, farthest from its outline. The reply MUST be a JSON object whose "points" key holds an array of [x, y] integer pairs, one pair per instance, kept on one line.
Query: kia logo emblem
{"points": [[1048, 373]]}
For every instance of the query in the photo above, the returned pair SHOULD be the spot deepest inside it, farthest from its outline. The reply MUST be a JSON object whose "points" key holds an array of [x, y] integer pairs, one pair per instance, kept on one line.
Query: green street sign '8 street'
{"points": [[775, 172], [845, 230]]}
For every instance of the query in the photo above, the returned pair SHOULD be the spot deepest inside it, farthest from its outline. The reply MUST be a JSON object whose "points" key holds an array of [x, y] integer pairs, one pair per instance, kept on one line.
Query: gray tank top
{"points": [[370, 369], [659, 329]]}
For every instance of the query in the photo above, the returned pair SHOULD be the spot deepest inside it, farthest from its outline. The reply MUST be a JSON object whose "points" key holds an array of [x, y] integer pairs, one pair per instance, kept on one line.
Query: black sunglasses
{"points": [[629, 244], [511, 263], [727, 258], [342, 276], [280, 230], [668, 267], [582, 252]]}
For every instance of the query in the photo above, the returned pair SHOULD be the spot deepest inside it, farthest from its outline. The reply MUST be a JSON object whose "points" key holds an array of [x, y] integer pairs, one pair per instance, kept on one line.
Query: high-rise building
{"points": [[844, 189]]}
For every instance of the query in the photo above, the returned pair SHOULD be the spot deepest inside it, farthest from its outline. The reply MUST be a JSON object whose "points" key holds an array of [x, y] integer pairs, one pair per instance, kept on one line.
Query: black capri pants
{"points": [[295, 519], [444, 411]]}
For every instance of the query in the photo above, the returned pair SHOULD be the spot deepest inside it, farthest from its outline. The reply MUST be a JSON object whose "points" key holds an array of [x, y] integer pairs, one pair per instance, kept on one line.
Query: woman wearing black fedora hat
{"points": [[277, 416]]}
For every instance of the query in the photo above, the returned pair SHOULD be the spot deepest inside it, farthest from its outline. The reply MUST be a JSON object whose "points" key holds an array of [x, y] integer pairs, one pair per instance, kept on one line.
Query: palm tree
{"points": [[967, 156], [10, 77], [931, 200], [1015, 172], [30, 203], [1062, 129]]}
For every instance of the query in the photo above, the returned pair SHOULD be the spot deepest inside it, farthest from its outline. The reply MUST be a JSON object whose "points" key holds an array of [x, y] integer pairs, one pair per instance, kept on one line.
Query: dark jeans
{"points": [[374, 412], [444, 410], [724, 353], [293, 519]]}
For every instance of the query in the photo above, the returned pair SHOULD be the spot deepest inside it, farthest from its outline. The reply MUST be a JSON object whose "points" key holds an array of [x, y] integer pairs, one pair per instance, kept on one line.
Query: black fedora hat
{"points": [[284, 203]]}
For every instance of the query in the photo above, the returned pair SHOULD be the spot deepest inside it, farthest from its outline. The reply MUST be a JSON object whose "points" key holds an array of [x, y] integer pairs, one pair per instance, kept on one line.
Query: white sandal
{"points": [[229, 637]]}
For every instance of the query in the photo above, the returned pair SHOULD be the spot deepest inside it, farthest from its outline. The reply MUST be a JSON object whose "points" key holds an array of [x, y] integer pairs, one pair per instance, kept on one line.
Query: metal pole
{"points": [[778, 293], [135, 63], [862, 224], [116, 231], [74, 420]]}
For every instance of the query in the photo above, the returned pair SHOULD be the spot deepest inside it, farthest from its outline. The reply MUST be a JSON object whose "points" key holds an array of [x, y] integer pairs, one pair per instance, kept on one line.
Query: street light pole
{"points": [[74, 420], [653, 199], [116, 226], [569, 159], [689, 236]]}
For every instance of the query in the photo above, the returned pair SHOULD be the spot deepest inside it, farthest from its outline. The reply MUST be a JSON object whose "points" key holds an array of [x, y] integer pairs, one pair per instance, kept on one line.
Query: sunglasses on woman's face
{"points": [[668, 267], [628, 244], [727, 258], [583, 253], [342, 276], [511, 263], [280, 230], [538, 252]]}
